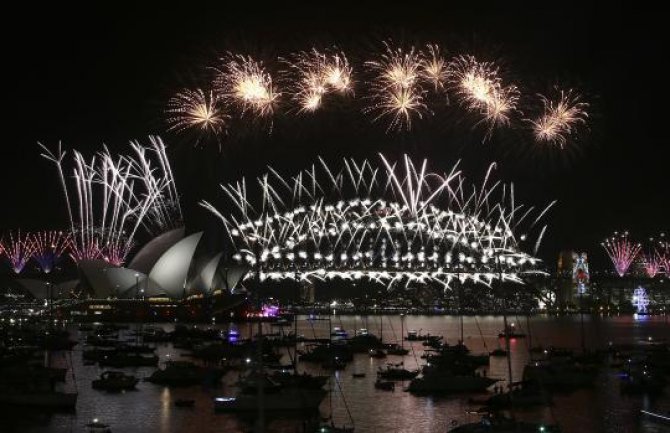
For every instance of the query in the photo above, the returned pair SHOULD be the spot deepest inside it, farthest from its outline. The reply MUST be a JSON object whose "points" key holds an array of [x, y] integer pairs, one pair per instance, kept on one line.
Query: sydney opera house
{"points": [[169, 268]]}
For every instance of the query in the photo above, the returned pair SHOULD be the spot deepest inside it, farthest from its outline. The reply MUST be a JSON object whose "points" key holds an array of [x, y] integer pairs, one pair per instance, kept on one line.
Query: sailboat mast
{"points": [[402, 331], [505, 327]]}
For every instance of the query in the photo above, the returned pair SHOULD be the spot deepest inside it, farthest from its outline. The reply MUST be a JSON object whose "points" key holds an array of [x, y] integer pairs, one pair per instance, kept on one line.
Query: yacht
{"points": [[286, 400], [115, 381]]}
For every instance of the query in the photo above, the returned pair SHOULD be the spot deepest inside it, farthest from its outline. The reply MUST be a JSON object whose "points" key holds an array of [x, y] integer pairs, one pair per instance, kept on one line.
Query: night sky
{"points": [[88, 77]]}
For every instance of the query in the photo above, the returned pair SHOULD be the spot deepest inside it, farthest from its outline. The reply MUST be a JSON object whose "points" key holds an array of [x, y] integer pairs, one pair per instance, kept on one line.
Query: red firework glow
{"points": [[622, 251], [18, 250], [49, 247]]}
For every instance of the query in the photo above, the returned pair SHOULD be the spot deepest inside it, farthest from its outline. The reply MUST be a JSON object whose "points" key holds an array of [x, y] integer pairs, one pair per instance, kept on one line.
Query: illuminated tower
{"points": [[580, 272], [640, 300]]}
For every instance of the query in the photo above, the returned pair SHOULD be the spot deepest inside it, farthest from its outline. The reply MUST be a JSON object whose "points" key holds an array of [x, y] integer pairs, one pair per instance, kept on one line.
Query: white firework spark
{"points": [[198, 110], [317, 74], [392, 223], [246, 83], [115, 196], [395, 92], [434, 66], [481, 90], [560, 118]]}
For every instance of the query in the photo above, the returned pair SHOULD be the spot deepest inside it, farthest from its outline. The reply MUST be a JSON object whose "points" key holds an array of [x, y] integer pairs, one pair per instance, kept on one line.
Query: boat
{"points": [[184, 403], [364, 342], [128, 359], [415, 335], [286, 400], [115, 381], [385, 385], [433, 341], [96, 426], [324, 353], [394, 349], [522, 395], [511, 332], [184, 373], [498, 352], [339, 334], [396, 372], [559, 375], [377, 353], [444, 382], [495, 423], [291, 379]]}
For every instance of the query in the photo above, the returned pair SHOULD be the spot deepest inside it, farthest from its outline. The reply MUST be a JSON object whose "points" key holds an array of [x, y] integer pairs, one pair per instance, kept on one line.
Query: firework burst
{"points": [[195, 109], [390, 222], [480, 89], [317, 74], [246, 83], [651, 263], [19, 250], [621, 251], [49, 247], [395, 91], [560, 118], [663, 253], [115, 196], [434, 67]]}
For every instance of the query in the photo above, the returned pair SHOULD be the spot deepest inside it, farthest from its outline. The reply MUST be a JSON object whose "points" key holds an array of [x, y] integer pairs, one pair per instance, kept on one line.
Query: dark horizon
{"points": [[105, 79]]}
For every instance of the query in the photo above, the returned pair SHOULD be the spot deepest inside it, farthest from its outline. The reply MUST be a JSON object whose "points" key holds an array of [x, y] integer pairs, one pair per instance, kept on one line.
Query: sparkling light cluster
{"points": [[317, 75], [48, 248], [394, 85], [621, 251], [560, 118], [662, 250], [18, 249], [393, 223], [244, 82], [481, 90], [652, 264], [196, 109], [110, 197], [395, 91]]}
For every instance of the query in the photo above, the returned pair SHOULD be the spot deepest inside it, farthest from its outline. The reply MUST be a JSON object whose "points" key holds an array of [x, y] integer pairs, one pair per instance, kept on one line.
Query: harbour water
{"points": [[151, 408]]}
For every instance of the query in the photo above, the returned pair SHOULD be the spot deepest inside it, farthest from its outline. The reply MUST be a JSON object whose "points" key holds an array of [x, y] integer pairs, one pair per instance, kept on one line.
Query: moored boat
{"points": [[115, 381]]}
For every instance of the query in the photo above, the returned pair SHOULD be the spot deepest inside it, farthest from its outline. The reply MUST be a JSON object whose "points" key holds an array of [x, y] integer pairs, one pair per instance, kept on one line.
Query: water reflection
{"points": [[152, 408]]}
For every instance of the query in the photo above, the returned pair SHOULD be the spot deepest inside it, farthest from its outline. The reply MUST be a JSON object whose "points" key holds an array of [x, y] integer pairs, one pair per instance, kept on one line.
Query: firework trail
{"points": [[150, 167], [48, 248], [663, 254], [651, 263], [396, 92], [318, 74], [19, 250], [244, 82], [560, 118], [195, 109], [115, 196], [621, 251], [434, 67], [420, 227]]}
